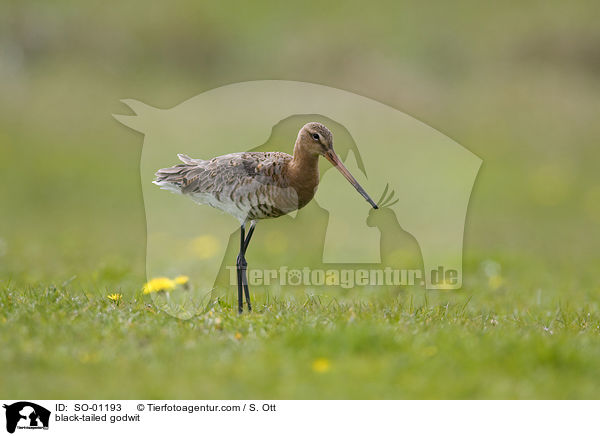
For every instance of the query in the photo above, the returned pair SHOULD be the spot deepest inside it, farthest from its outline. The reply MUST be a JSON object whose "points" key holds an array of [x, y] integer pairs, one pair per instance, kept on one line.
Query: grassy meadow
{"points": [[517, 84]]}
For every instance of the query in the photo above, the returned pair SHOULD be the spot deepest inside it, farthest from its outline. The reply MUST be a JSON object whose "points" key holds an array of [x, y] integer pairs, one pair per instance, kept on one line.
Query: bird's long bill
{"points": [[336, 162]]}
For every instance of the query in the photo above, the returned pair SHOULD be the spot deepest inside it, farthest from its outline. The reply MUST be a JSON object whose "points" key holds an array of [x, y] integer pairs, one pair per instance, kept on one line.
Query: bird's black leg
{"points": [[244, 277], [249, 235], [239, 269], [241, 266]]}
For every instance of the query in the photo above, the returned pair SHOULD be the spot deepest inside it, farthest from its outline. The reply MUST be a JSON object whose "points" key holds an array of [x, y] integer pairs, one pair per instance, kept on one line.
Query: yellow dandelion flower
{"points": [[495, 281], [321, 365], [181, 280], [205, 246], [238, 335], [115, 298], [85, 357], [159, 284], [429, 351]]}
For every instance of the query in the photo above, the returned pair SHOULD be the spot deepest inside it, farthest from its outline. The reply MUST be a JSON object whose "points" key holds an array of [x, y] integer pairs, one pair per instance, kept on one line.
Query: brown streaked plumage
{"points": [[257, 185]]}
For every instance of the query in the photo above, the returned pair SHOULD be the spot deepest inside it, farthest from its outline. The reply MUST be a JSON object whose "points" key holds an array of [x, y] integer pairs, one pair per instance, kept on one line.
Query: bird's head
{"points": [[316, 139]]}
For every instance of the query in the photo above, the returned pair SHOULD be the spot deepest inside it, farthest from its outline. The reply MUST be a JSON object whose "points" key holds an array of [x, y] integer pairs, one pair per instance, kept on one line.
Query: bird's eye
{"points": [[315, 136]]}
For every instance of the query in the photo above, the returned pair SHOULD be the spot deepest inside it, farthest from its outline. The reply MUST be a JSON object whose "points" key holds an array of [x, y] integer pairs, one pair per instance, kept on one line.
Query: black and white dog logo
{"points": [[26, 415]]}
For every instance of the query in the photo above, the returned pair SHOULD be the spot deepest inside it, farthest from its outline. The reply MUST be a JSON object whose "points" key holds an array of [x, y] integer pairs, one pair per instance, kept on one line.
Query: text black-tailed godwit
{"points": [[254, 185]]}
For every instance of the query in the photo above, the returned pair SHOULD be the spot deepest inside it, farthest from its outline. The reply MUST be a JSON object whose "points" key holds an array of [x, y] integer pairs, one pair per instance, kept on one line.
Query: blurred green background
{"points": [[517, 83]]}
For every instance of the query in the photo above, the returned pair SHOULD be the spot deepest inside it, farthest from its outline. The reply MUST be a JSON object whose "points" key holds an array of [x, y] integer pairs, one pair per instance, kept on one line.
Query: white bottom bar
{"points": [[279, 418]]}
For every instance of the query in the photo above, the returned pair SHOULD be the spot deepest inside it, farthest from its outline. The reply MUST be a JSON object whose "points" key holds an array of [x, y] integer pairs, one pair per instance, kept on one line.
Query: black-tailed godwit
{"points": [[252, 185]]}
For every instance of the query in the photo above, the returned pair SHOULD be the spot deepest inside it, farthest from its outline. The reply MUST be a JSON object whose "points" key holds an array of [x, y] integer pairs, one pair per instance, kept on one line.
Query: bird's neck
{"points": [[303, 174]]}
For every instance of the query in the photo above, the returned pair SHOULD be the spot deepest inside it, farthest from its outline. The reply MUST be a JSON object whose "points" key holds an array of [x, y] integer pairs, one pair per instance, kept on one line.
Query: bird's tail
{"points": [[177, 177]]}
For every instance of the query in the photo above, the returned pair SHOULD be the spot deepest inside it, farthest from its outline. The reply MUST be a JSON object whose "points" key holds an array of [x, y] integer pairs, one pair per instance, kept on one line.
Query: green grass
{"points": [[62, 343]]}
